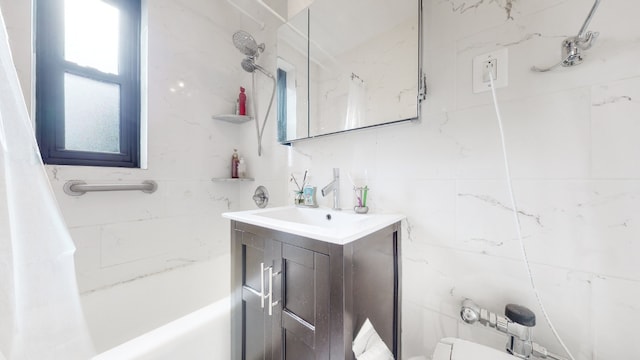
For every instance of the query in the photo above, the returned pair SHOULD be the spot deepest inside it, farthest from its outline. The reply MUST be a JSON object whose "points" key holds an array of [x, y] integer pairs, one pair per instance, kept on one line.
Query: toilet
{"points": [[458, 349]]}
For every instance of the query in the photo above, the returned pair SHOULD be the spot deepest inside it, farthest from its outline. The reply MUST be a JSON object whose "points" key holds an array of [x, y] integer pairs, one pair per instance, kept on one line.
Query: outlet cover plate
{"points": [[502, 70]]}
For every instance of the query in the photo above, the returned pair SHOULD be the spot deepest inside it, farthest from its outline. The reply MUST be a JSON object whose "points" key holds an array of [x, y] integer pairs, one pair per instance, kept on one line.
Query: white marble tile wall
{"points": [[573, 150]]}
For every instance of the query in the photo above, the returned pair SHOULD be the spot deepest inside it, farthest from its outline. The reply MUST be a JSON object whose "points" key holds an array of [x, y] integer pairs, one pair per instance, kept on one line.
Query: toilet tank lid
{"points": [[465, 350]]}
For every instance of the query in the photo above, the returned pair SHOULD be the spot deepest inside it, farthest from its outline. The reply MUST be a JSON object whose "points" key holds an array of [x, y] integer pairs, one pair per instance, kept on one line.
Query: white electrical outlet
{"points": [[490, 67], [496, 63]]}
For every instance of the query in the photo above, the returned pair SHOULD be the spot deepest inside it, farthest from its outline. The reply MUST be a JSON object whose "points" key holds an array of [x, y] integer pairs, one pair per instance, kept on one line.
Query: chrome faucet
{"points": [[334, 186]]}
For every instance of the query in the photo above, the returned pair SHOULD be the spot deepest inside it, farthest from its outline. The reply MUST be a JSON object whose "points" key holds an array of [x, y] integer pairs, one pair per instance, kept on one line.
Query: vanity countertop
{"points": [[333, 226]]}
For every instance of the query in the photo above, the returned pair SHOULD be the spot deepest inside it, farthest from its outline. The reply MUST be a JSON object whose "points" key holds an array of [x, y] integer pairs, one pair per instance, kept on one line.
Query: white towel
{"points": [[369, 346]]}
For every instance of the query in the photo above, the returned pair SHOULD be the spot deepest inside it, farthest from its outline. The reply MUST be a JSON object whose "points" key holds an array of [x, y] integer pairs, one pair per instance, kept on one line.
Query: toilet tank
{"points": [[458, 349]]}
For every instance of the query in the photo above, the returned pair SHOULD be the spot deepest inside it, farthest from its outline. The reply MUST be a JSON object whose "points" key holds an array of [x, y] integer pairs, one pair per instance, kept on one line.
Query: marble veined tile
{"points": [[127, 242], [615, 123], [586, 225], [615, 305]]}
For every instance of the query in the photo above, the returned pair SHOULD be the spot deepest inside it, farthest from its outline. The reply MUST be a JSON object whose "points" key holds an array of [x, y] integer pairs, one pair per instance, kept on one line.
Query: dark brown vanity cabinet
{"points": [[296, 298]]}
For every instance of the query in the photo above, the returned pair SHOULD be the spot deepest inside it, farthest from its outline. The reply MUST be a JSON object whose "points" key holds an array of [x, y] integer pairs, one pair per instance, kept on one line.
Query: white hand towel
{"points": [[369, 346]]}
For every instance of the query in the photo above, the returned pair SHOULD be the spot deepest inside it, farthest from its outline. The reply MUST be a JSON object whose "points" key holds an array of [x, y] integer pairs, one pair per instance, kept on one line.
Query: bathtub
{"points": [[203, 334], [183, 313]]}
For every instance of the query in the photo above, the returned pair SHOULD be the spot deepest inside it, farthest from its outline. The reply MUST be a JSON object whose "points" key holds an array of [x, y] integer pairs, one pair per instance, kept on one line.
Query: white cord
{"points": [[517, 220]]}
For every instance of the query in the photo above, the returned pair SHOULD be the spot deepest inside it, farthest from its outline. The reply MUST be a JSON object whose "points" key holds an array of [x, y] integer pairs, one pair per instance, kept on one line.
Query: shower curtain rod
{"points": [[78, 187]]}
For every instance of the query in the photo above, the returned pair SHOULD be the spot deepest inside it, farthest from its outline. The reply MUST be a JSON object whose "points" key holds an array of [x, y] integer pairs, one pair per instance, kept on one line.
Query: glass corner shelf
{"points": [[232, 118], [232, 179]]}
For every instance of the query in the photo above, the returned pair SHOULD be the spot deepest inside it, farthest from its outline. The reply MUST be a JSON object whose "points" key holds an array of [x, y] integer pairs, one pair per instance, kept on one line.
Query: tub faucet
{"points": [[334, 186]]}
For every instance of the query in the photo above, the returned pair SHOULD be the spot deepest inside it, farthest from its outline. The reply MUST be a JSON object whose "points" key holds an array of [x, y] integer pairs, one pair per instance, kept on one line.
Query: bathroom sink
{"points": [[313, 216], [334, 226]]}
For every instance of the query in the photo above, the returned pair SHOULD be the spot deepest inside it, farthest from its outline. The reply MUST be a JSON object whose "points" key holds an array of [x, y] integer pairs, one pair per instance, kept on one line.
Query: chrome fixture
{"points": [[261, 197], [249, 65], [572, 46], [334, 186], [79, 187], [247, 45], [268, 296], [517, 323]]}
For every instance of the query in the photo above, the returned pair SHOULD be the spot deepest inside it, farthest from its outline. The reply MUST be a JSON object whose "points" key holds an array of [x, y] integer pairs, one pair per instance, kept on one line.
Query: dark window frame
{"points": [[50, 69]]}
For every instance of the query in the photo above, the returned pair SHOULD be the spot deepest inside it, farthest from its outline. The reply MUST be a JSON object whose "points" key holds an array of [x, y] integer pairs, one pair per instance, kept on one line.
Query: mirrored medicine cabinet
{"points": [[347, 65]]}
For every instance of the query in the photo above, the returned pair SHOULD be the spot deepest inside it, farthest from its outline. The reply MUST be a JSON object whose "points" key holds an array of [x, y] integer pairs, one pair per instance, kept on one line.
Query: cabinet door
{"points": [[305, 304], [255, 260]]}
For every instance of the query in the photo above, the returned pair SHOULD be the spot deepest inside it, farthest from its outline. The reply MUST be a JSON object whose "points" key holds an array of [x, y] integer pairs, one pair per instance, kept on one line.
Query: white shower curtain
{"points": [[40, 313]]}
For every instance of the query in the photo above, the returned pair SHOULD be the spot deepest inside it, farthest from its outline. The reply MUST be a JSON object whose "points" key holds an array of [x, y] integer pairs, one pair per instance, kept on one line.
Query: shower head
{"points": [[244, 42], [247, 45], [249, 65]]}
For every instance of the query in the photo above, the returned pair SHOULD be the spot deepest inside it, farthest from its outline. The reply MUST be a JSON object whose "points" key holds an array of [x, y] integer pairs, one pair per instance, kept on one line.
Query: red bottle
{"points": [[242, 102]]}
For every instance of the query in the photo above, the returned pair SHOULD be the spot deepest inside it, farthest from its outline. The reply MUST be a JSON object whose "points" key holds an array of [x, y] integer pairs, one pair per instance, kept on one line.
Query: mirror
{"points": [[349, 69]]}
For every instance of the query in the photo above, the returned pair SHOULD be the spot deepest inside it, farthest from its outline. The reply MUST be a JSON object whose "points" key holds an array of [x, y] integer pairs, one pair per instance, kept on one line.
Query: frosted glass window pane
{"points": [[91, 115], [92, 31]]}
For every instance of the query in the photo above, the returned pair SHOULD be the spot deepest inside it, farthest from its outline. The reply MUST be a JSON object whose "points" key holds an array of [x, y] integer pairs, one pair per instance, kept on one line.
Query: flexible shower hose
{"points": [[517, 222], [260, 130]]}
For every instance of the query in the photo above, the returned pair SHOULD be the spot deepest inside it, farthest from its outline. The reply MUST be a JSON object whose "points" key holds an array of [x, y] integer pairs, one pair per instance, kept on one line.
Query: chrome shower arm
{"points": [[587, 43], [572, 46], [264, 71], [583, 29], [585, 39]]}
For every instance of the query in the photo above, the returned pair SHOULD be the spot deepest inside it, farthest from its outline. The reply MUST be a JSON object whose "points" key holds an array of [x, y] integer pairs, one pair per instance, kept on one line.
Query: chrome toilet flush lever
{"points": [[517, 323]]}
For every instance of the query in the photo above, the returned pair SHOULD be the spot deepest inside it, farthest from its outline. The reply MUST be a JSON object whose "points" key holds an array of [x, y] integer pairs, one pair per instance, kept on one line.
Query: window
{"points": [[88, 82]]}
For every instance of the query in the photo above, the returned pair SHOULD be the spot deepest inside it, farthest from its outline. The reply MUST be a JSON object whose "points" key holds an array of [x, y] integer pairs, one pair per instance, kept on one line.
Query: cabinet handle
{"points": [[262, 285], [270, 295]]}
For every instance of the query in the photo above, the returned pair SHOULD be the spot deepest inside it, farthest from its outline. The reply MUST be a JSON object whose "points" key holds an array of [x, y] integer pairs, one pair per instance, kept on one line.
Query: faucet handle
{"points": [[336, 172], [520, 315]]}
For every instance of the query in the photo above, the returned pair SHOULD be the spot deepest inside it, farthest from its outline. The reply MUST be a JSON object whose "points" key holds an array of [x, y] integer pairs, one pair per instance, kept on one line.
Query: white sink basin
{"points": [[338, 227], [313, 216]]}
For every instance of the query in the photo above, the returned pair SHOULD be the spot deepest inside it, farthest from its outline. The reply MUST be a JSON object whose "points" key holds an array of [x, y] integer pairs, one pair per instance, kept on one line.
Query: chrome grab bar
{"points": [[78, 187]]}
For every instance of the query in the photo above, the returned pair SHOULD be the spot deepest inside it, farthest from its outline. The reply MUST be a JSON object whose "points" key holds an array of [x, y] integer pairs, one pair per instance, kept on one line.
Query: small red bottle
{"points": [[242, 102]]}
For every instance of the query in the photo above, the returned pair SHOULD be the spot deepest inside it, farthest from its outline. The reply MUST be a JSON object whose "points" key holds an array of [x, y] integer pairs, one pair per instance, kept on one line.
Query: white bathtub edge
{"points": [[215, 315]]}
